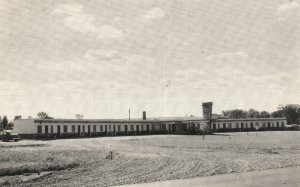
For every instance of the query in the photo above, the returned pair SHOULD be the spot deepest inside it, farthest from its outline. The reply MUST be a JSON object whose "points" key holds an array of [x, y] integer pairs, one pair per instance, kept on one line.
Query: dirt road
{"points": [[274, 177]]}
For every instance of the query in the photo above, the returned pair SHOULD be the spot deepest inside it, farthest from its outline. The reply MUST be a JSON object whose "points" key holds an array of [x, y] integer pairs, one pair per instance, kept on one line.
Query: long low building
{"points": [[56, 128], [223, 125]]}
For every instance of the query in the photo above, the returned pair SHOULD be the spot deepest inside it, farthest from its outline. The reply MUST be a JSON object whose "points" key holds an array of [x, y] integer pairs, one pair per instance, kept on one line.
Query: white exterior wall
{"points": [[25, 126], [247, 124], [110, 127]]}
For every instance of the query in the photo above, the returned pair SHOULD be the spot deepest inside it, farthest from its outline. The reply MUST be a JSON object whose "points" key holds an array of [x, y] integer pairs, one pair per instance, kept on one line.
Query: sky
{"points": [[100, 58]]}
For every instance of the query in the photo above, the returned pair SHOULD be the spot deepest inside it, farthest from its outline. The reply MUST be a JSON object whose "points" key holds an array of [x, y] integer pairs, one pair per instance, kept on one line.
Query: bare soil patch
{"points": [[140, 159]]}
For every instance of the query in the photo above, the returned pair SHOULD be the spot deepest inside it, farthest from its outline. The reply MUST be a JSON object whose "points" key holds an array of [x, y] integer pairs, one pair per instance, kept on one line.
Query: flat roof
{"points": [[249, 119], [150, 120]]}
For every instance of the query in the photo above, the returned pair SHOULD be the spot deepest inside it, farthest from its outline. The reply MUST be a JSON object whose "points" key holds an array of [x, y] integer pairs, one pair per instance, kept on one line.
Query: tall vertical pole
{"points": [[129, 114]]}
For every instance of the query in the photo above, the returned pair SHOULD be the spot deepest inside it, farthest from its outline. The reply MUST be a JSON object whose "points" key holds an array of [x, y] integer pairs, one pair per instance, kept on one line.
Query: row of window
{"points": [[248, 125], [102, 128]]}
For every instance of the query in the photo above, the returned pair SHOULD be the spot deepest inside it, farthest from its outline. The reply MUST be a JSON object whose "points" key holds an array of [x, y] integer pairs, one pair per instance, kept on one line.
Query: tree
{"points": [[79, 116], [18, 117], [44, 115], [237, 113], [4, 122], [291, 112], [252, 113], [277, 114], [226, 113], [264, 114], [10, 125]]}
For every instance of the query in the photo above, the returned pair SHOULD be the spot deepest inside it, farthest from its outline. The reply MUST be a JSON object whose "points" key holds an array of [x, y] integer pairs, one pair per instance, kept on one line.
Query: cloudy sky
{"points": [[99, 58]]}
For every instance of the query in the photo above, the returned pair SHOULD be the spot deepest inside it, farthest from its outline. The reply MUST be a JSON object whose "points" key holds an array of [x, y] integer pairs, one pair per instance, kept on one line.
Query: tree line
{"points": [[290, 111], [5, 124]]}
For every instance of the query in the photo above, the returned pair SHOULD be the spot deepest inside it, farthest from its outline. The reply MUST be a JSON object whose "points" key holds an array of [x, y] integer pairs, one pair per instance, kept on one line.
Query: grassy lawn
{"points": [[136, 159]]}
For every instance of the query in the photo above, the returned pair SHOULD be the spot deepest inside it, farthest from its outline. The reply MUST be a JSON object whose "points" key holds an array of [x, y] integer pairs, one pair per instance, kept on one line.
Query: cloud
{"points": [[75, 18], [285, 10], [227, 56], [106, 31], [102, 55], [288, 6], [154, 13]]}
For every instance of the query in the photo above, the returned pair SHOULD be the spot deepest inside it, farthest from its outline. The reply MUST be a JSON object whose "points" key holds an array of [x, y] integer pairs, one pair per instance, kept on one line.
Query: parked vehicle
{"points": [[8, 135]]}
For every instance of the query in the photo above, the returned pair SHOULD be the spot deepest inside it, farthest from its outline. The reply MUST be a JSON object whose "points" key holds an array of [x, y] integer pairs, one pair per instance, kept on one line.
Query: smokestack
{"points": [[144, 115], [129, 114]]}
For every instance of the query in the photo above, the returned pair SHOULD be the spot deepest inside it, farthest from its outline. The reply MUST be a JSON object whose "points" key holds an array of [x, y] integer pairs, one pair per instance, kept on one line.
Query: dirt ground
{"points": [[143, 159], [287, 177]]}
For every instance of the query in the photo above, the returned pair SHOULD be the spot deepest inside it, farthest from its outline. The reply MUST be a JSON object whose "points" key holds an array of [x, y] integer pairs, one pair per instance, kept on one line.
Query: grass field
{"points": [[139, 159]]}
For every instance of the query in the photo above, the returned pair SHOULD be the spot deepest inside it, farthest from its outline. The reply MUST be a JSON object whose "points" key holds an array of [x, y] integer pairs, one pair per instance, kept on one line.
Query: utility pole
{"points": [[129, 114]]}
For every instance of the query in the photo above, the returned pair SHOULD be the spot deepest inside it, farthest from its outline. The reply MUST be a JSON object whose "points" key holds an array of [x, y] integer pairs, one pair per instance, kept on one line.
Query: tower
{"points": [[207, 110]]}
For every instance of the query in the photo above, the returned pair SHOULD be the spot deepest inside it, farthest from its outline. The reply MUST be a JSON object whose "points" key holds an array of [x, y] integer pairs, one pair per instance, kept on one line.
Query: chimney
{"points": [[144, 115]]}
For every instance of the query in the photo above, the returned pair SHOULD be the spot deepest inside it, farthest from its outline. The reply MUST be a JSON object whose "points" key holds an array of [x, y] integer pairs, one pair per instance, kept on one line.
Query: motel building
{"points": [[63, 128]]}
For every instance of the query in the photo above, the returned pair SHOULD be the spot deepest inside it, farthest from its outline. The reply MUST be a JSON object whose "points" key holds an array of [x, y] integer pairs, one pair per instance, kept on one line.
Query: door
{"points": [[114, 129], [174, 128], [242, 126], [148, 129], [126, 130], [214, 127], [269, 125], [137, 129], [58, 131], [46, 131], [251, 126], [78, 130], [105, 129], [89, 130]]}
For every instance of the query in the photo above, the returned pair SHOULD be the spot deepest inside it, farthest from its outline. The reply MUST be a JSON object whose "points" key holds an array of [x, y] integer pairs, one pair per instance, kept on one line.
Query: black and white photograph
{"points": [[150, 93]]}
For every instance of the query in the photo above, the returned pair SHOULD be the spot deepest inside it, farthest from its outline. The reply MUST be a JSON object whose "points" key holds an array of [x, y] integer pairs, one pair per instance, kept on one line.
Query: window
{"points": [[65, 128], [264, 124], [119, 127], [153, 127], [109, 127], [282, 124], [131, 127], [224, 125], [237, 125], [94, 128], [83, 128], [39, 129], [142, 127], [218, 125], [256, 124], [51, 129], [164, 127], [73, 128], [229, 125], [277, 123], [101, 128], [246, 125]]}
